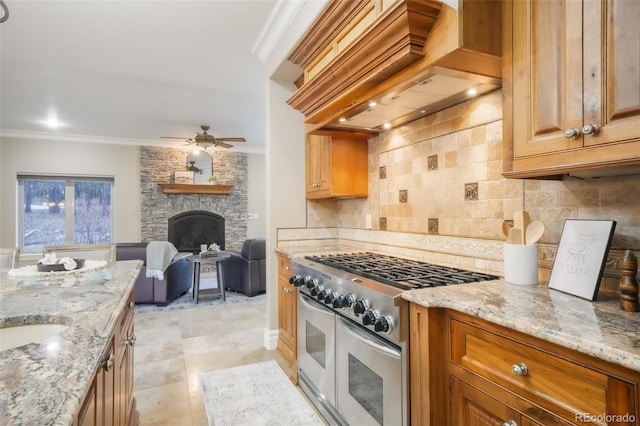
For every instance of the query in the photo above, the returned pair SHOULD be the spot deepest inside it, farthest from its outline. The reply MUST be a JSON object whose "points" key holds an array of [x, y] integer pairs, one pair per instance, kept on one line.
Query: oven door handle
{"points": [[363, 338], [309, 306]]}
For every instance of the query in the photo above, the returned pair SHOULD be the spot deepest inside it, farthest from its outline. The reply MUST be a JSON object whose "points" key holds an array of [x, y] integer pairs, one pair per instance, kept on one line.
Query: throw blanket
{"points": [[159, 256]]}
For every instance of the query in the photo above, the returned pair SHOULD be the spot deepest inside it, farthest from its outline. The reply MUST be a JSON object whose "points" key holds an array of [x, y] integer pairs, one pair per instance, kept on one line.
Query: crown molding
{"points": [[67, 137], [282, 15]]}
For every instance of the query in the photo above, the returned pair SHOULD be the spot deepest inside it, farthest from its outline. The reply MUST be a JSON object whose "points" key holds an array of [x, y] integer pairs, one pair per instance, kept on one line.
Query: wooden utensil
{"points": [[534, 232], [518, 223], [515, 236], [505, 229], [526, 220]]}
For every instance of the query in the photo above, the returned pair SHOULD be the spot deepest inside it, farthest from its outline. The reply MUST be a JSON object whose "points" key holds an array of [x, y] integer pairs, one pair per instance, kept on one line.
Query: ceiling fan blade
{"points": [[172, 137], [222, 144], [232, 139]]}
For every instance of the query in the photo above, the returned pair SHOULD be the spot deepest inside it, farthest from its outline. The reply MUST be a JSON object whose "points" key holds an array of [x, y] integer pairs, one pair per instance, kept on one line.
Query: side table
{"points": [[197, 261]]}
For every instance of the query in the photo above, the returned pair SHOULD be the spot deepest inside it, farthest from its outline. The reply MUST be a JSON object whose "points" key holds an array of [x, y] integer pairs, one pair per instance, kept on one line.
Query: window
{"points": [[63, 210]]}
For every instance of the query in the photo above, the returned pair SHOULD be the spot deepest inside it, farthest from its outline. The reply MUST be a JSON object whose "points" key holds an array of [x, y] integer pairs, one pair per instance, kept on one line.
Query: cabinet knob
{"points": [[520, 369], [131, 341], [590, 129], [108, 364], [510, 423], [287, 290], [131, 305], [571, 133]]}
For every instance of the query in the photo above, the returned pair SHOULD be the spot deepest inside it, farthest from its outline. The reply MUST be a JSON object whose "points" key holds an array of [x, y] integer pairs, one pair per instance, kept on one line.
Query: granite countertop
{"points": [[600, 328], [44, 384]]}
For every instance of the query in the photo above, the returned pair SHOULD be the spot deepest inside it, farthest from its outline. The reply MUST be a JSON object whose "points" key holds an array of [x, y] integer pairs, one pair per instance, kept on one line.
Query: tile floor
{"points": [[174, 347]]}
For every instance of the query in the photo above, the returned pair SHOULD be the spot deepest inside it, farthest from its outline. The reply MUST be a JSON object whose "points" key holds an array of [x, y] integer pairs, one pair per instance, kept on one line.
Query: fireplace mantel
{"points": [[190, 188]]}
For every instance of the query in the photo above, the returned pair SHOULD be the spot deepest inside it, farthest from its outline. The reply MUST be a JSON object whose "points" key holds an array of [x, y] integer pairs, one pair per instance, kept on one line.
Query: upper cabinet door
{"points": [[571, 87], [547, 84], [612, 70]]}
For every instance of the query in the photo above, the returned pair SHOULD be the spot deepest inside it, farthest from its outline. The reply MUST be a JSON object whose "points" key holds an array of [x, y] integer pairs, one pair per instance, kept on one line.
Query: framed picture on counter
{"points": [[582, 256]]}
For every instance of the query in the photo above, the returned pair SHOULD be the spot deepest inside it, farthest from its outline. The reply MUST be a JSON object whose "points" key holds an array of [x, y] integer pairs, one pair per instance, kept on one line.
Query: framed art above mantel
{"points": [[187, 188]]}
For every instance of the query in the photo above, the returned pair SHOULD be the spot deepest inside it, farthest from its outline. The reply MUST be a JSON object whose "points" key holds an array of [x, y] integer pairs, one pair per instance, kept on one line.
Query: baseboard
{"points": [[270, 339]]}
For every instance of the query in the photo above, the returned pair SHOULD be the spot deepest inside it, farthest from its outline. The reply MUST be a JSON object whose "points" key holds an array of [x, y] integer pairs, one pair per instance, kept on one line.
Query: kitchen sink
{"points": [[19, 335]]}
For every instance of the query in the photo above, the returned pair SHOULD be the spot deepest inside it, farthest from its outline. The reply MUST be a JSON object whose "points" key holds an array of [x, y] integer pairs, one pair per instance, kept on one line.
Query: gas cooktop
{"points": [[398, 272]]}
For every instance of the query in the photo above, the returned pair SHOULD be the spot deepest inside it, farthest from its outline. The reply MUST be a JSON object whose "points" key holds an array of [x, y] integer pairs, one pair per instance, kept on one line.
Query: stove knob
{"points": [[369, 317], [296, 280], [315, 290], [322, 294], [360, 307], [383, 324], [330, 298], [310, 282], [345, 301]]}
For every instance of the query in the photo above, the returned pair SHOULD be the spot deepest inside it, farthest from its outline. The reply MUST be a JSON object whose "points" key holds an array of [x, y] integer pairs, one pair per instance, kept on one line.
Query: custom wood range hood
{"points": [[370, 62]]}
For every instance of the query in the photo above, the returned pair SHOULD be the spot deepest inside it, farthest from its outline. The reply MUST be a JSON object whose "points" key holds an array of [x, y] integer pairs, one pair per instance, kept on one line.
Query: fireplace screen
{"points": [[187, 231]]}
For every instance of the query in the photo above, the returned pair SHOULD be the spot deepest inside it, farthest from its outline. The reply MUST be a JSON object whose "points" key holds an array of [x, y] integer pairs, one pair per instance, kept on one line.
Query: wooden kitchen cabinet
{"points": [[569, 66], [109, 399], [470, 406], [125, 405], [473, 380], [336, 165], [287, 316]]}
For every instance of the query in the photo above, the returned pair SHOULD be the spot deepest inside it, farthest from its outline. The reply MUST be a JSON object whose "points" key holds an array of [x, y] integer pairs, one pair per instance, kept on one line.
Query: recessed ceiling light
{"points": [[473, 91], [386, 126], [52, 123], [372, 104], [342, 119]]}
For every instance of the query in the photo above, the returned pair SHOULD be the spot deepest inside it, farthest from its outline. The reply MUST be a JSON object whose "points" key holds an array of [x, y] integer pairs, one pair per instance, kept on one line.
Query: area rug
{"points": [[186, 300], [255, 395]]}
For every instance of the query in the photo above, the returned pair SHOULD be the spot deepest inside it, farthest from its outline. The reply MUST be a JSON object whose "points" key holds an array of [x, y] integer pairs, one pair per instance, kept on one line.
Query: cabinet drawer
{"points": [[284, 265], [551, 381]]}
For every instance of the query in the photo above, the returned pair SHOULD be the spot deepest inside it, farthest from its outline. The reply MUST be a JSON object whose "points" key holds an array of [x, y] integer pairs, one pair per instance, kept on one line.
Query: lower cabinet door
{"points": [[88, 415], [472, 407]]}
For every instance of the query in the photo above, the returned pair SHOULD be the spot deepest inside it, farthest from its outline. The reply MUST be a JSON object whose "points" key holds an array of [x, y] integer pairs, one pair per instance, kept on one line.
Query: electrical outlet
{"points": [[367, 221]]}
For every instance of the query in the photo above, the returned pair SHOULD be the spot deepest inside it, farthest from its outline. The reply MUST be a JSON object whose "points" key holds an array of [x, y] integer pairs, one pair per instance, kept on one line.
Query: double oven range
{"points": [[352, 356]]}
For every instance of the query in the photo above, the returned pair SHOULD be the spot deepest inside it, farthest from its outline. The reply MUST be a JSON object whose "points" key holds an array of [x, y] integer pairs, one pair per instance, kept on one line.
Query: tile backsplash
{"points": [[467, 193], [447, 168]]}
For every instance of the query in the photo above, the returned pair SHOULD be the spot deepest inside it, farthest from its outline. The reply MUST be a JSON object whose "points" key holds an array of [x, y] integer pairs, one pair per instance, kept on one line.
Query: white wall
{"points": [[286, 204], [257, 196], [70, 158], [2, 244]]}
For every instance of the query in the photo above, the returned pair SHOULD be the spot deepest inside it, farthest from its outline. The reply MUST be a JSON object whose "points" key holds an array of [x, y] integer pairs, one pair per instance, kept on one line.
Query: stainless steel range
{"points": [[351, 356]]}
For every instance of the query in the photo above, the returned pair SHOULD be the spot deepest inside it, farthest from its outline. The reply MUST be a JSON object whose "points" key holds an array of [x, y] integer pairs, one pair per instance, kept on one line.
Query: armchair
{"points": [[177, 277], [246, 271]]}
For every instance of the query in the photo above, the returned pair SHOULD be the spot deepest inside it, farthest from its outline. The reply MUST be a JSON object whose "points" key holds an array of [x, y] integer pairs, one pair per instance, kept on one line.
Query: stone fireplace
{"points": [[157, 165], [188, 230]]}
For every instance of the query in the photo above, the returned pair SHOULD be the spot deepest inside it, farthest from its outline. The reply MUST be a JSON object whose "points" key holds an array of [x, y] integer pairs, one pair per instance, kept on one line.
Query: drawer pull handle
{"points": [[520, 369], [590, 129], [510, 423], [108, 364], [571, 133]]}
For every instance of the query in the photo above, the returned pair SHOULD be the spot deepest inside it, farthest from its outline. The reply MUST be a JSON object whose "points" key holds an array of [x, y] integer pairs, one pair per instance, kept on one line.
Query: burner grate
{"points": [[402, 273]]}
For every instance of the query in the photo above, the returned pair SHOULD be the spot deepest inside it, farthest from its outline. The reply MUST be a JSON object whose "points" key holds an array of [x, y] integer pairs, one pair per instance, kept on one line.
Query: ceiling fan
{"points": [[205, 140]]}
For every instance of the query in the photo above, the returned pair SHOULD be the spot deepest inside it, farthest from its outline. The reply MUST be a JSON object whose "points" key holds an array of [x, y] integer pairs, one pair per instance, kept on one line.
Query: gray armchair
{"points": [[246, 271], [177, 277]]}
